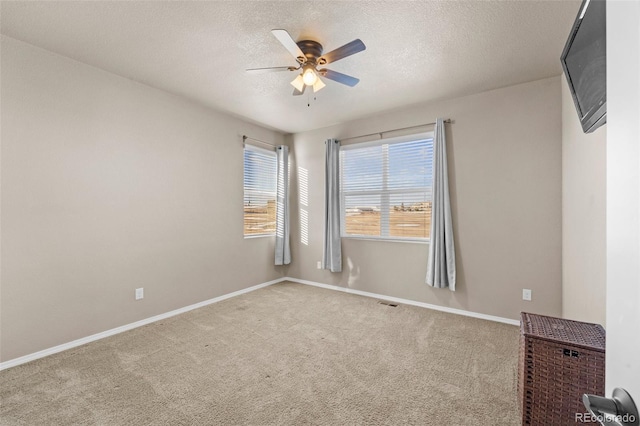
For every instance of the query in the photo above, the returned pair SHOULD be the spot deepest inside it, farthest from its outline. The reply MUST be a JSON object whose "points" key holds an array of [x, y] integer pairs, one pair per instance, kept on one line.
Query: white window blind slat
{"points": [[259, 191], [386, 188]]}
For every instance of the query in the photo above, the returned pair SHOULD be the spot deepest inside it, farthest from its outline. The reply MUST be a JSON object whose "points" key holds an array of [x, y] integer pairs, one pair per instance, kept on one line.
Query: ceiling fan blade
{"points": [[297, 92], [339, 77], [342, 52], [269, 69], [289, 44]]}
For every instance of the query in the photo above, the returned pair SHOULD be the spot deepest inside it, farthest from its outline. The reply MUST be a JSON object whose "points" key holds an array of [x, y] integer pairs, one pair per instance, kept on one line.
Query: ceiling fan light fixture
{"points": [[298, 83], [309, 76], [318, 85]]}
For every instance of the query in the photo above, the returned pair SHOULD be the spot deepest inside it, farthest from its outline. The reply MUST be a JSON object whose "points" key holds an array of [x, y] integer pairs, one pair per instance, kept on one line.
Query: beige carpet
{"points": [[285, 354]]}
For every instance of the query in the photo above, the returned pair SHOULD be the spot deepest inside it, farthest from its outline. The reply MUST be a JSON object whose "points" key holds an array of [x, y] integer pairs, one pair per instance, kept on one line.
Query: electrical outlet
{"points": [[139, 293], [319, 265], [526, 294]]}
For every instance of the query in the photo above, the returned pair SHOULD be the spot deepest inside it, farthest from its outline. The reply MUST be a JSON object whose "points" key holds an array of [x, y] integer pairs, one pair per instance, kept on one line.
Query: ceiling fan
{"points": [[308, 54]]}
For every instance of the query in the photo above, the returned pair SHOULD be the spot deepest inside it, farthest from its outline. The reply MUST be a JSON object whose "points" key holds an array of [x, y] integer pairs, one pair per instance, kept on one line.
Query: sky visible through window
{"points": [[259, 192], [410, 165], [259, 176]]}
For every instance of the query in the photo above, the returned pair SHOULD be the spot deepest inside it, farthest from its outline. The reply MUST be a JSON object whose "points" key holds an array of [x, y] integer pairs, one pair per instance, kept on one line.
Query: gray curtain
{"points": [[441, 266], [332, 255], [283, 250]]}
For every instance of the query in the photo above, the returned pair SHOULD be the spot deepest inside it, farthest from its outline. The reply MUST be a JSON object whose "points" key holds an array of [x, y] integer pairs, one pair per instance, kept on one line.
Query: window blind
{"points": [[386, 188], [259, 191]]}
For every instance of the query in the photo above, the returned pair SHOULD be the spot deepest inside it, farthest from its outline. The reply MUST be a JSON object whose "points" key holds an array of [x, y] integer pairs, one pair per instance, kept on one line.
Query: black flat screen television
{"points": [[584, 60]]}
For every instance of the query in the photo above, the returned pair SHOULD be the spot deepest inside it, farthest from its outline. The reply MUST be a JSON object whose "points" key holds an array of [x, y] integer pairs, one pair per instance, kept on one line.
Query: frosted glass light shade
{"points": [[298, 83], [318, 85]]}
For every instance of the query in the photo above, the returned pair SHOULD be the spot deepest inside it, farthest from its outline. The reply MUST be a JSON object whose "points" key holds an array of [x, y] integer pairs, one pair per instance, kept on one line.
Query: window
{"points": [[386, 188], [259, 191]]}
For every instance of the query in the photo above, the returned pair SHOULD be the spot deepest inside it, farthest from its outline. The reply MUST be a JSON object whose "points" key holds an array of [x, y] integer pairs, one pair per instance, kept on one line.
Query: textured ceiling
{"points": [[416, 50]]}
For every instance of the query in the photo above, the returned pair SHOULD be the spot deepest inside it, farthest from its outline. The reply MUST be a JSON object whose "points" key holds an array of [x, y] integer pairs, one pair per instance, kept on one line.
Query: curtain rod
{"points": [[448, 121], [245, 137]]}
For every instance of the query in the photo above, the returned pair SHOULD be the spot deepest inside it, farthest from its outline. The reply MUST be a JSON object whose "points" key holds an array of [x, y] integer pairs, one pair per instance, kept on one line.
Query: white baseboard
{"points": [[407, 302], [75, 343], [63, 347]]}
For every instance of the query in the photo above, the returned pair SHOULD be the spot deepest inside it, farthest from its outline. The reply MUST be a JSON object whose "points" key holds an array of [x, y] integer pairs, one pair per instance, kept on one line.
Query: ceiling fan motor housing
{"points": [[312, 51]]}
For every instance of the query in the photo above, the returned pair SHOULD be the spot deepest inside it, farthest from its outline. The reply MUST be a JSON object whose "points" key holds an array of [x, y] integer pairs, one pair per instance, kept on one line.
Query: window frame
{"points": [[388, 238], [263, 151]]}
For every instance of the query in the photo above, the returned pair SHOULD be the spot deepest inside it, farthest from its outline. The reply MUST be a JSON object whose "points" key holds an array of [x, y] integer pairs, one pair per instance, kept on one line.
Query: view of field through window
{"points": [[260, 219], [386, 189], [412, 221]]}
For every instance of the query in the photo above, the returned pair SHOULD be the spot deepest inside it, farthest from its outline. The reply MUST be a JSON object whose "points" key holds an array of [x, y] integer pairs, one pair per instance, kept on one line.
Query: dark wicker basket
{"points": [[559, 361]]}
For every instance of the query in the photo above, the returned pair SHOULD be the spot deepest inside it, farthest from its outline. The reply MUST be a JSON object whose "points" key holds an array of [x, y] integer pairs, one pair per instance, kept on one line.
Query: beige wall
{"points": [[109, 185], [584, 184], [504, 151]]}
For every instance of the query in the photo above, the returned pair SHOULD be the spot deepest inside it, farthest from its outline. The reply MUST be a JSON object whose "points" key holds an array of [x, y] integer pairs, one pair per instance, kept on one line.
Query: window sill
{"points": [[391, 240], [251, 237]]}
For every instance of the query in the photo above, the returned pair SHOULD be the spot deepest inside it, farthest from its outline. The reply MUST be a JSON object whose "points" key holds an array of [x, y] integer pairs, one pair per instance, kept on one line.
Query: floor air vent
{"points": [[384, 302]]}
